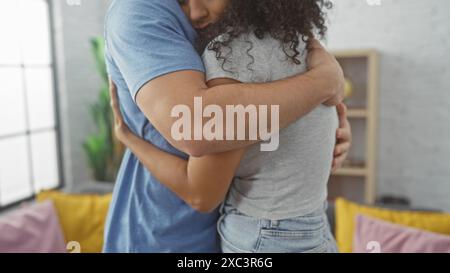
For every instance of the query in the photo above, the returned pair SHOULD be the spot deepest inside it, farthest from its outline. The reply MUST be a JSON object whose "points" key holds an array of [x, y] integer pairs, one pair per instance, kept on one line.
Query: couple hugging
{"points": [[217, 195]]}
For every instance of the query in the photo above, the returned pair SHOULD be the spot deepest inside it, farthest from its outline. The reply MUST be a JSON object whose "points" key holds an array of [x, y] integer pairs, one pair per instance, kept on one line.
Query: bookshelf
{"points": [[356, 180]]}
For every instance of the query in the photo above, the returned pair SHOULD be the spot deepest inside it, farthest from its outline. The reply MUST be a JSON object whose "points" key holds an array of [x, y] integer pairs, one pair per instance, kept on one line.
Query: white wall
{"points": [[413, 37], [78, 80]]}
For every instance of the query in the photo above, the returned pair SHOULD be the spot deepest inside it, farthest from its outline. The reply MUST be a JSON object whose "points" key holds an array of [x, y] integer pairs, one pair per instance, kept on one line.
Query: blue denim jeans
{"points": [[241, 233]]}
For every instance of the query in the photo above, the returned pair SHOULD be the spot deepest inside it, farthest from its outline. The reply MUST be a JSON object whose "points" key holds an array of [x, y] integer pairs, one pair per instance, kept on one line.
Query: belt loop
{"points": [[274, 223]]}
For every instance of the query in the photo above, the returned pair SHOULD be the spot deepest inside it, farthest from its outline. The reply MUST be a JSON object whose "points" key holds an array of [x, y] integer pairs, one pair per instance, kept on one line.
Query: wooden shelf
{"points": [[357, 113], [351, 171], [362, 67]]}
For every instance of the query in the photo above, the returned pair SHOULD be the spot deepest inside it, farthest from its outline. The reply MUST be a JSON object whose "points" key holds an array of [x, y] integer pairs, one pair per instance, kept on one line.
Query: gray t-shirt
{"points": [[291, 181]]}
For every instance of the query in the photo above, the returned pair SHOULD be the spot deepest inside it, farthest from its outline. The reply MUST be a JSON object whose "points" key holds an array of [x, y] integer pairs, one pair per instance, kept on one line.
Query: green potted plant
{"points": [[103, 151]]}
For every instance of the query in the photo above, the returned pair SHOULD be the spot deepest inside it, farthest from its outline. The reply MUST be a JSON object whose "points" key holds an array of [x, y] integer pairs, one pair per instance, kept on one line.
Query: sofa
{"points": [[60, 222]]}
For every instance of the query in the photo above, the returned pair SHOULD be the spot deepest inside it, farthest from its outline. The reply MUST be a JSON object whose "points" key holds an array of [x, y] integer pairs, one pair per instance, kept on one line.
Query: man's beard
{"points": [[204, 37]]}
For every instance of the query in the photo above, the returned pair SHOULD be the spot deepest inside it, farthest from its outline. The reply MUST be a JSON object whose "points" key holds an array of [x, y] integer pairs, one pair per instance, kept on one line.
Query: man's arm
{"points": [[295, 96], [150, 43]]}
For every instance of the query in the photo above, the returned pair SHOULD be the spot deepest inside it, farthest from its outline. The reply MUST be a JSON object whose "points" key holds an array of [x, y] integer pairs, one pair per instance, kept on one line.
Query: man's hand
{"points": [[344, 138], [324, 67]]}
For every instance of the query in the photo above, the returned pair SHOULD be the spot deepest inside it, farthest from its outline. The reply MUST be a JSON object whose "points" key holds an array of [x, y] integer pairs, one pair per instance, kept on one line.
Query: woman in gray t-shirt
{"points": [[275, 200]]}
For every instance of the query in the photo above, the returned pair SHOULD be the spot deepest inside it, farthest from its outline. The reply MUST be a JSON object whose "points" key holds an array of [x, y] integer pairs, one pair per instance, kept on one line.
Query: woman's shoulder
{"points": [[254, 59], [262, 47], [247, 40]]}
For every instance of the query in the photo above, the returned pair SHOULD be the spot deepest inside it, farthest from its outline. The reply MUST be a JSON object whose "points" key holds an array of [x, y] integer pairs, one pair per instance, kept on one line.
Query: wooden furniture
{"points": [[361, 67]]}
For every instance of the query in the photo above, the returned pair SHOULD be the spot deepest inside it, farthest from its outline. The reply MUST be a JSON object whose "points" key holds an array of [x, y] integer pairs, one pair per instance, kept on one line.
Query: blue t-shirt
{"points": [[146, 39]]}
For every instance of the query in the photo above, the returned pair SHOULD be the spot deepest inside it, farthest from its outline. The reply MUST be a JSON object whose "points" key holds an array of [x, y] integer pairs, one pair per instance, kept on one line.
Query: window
{"points": [[29, 158]]}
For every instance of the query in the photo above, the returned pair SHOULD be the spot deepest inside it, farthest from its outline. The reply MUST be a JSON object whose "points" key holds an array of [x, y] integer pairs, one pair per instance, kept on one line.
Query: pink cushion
{"points": [[373, 235], [33, 229]]}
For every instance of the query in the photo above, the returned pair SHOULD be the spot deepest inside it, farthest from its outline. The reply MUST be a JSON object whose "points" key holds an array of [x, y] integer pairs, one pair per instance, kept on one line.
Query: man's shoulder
{"points": [[147, 8], [126, 18]]}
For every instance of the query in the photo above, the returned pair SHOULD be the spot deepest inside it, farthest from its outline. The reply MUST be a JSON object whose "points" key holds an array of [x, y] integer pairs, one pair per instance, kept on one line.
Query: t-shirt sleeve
{"points": [[242, 61], [147, 39], [219, 67]]}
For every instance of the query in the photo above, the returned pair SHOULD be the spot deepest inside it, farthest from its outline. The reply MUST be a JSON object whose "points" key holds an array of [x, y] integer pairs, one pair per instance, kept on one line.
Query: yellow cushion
{"points": [[82, 217], [346, 212]]}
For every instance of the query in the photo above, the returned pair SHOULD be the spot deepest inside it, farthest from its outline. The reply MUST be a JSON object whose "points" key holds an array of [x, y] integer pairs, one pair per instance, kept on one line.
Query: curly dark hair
{"points": [[283, 20]]}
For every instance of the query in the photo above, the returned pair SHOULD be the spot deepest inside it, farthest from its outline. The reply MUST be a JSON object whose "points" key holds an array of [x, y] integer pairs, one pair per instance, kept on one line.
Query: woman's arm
{"points": [[201, 182]]}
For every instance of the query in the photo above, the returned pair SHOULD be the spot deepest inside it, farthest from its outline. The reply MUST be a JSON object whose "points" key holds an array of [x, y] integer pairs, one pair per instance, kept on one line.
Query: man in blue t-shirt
{"points": [[151, 58]]}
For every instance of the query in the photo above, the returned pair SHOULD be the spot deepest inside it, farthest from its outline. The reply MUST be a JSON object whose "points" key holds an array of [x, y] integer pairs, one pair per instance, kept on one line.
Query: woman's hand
{"points": [[343, 136], [120, 127]]}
